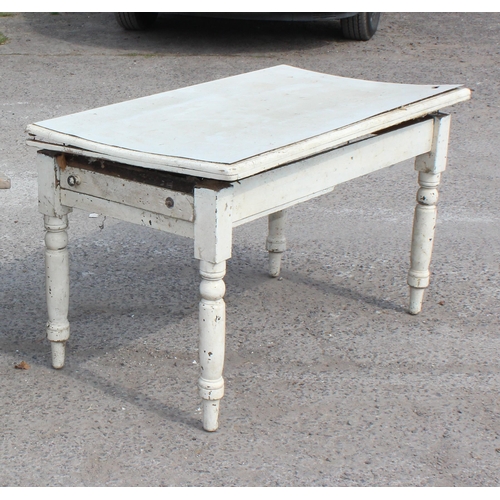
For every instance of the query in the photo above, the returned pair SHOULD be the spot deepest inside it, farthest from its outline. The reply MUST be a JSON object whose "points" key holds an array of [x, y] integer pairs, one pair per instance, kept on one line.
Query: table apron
{"points": [[253, 197], [159, 200], [291, 184], [127, 213]]}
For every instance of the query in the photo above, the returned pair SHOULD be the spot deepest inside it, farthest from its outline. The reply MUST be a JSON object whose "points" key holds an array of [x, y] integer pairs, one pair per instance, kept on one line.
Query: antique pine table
{"points": [[201, 160]]}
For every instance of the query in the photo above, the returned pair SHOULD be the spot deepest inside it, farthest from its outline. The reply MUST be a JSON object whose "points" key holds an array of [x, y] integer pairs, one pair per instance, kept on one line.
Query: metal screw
{"points": [[74, 180], [169, 202]]}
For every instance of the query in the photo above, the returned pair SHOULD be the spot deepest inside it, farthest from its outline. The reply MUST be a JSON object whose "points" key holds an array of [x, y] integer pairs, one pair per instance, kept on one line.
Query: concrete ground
{"points": [[329, 382]]}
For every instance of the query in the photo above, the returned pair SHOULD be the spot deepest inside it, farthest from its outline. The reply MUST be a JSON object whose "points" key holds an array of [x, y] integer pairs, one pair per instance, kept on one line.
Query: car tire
{"points": [[362, 26], [136, 21]]}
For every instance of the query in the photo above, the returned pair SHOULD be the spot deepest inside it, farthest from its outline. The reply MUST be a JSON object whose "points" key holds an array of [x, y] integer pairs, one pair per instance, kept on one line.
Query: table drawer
{"points": [[155, 199]]}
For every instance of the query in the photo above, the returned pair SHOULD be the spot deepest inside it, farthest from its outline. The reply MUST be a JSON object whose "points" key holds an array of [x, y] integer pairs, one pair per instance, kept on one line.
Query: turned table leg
{"points": [[212, 340], [57, 285], [212, 247], [276, 241], [56, 253], [424, 226], [429, 166]]}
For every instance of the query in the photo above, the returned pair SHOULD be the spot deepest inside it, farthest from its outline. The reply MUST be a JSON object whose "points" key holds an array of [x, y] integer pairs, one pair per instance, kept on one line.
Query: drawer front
{"points": [[130, 193]]}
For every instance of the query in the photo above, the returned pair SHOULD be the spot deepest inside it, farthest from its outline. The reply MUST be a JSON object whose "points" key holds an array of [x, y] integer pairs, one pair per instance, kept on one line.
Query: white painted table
{"points": [[201, 160]]}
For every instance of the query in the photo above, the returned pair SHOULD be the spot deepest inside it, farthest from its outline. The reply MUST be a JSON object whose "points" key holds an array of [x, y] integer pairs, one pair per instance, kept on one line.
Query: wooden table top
{"points": [[232, 128]]}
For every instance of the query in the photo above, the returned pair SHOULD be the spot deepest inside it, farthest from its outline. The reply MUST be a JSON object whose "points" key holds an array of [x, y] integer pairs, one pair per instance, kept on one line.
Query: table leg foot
{"points": [[276, 241], [57, 285], [210, 415], [274, 264], [416, 299], [212, 341], [58, 354]]}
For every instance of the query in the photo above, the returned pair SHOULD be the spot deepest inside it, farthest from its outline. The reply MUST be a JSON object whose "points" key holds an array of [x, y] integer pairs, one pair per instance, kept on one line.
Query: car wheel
{"points": [[136, 20], [362, 26]]}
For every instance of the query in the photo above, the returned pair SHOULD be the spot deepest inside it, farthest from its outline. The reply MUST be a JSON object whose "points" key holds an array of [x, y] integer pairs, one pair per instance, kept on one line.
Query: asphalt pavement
{"points": [[329, 381]]}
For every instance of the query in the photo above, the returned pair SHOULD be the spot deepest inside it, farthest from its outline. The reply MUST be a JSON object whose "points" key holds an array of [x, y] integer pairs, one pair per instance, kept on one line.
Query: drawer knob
{"points": [[169, 202], [74, 180]]}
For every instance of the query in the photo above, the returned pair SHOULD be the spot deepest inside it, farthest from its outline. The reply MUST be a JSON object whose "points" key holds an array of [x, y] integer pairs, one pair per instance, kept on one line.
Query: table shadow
{"points": [[159, 284]]}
